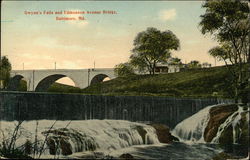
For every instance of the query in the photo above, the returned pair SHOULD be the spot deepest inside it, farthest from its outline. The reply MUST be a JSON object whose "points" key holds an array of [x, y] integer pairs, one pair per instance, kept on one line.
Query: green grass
{"points": [[206, 82], [63, 88]]}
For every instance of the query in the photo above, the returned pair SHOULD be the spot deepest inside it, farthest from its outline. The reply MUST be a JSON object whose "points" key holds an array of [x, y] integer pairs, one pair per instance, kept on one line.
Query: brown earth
{"points": [[218, 115], [163, 133]]}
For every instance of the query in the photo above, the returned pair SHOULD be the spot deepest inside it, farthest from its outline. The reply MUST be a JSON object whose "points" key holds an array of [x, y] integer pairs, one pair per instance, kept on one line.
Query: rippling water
{"points": [[113, 138]]}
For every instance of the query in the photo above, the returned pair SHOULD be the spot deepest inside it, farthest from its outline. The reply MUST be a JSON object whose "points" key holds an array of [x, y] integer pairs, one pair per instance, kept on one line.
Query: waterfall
{"points": [[192, 128], [103, 135], [233, 120]]}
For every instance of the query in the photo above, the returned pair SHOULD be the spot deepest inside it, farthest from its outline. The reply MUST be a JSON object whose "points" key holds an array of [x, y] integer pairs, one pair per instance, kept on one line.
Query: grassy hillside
{"points": [[63, 88], [206, 82]]}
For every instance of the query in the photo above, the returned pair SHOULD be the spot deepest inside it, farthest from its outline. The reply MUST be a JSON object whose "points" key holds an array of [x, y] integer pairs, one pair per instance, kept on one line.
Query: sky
{"points": [[38, 41]]}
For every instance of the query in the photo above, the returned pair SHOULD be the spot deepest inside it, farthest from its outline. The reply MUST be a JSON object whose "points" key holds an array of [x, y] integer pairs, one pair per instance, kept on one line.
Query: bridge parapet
{"points": [[45, 77]]}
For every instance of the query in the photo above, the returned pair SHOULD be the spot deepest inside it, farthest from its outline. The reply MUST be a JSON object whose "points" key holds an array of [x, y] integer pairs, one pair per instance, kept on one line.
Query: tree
{"points": [[5, 68], [152, 46], [194, 64], [228, 22], [206, 65], [176, 61], [123, 70]]}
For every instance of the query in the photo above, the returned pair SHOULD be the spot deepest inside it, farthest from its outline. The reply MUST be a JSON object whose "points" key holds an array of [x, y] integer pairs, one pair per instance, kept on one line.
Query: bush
{"points": [[123, 70]]}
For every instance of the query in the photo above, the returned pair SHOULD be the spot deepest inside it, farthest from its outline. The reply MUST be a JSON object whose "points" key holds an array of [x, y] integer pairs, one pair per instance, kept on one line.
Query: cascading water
{"points": [[233, 120], [81, 135], [192, 128]]}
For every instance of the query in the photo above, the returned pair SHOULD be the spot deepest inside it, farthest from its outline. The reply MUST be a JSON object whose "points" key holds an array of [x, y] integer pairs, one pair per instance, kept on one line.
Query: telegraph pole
{"points": [[55, 65], [23, 66]]}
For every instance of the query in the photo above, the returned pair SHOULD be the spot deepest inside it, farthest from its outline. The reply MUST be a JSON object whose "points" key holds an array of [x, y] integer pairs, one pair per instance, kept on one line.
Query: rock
{"points": [[174, 139], [56, 143], [65, 147], [163, 133], [142, 133], [218, 115], [62, 138], [126, 156], [244, 125], [222, 156], [238, 134]]}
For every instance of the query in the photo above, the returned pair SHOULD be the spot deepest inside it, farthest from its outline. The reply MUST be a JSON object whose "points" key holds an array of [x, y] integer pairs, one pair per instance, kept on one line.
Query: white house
{"points": [[166, 68]]}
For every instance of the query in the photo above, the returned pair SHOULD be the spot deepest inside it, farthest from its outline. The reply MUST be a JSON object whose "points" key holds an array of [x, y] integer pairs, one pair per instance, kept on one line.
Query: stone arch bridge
{"points": [[41, 80]]}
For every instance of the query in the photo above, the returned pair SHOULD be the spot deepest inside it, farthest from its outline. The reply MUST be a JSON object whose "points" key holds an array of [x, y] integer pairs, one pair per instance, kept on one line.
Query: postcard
{"points": [[124, 80]]}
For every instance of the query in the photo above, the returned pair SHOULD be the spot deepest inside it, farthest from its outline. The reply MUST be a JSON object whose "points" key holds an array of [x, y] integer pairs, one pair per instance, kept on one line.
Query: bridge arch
{"points": [[14, 83], [44, 84], [98, 78]]}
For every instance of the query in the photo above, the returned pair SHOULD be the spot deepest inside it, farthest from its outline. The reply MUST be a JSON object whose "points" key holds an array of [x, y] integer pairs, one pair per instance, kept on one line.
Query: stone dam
{"points": [[37, 106]]}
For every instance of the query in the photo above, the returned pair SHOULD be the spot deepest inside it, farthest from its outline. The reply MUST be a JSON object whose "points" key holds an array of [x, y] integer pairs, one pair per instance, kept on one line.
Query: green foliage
{"points": [[8, 148], [55, 87], [223, 16], [152, 46], [194, 64], [123, 69], [62, 88], [176, 61], [190, 83], [5, 68], [206, 65], [139, 63], [14, 153], [228, 21], [22, 86]]}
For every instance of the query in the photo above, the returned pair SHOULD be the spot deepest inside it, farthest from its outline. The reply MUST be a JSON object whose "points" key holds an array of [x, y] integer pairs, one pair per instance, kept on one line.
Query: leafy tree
{"points": [[123, 69], [228, 22], [206, 65], [5, 68], [176, 61], [152, 46], [194, 64]]}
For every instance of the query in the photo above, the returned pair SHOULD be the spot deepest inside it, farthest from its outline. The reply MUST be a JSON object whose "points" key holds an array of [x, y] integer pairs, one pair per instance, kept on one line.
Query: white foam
{"points": [[233, 120], [192, 129], [107, 134]]}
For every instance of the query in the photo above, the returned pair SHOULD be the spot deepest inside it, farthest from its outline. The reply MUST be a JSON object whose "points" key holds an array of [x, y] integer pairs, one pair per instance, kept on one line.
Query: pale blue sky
{"points": [[39, 40]]}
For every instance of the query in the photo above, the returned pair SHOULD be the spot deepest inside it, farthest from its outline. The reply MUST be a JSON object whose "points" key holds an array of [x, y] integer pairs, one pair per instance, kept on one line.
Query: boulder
{"points": [[126, 156], [142, 133], [217, 115], [222, 156], [238, 134], [163, 133], [62, 139]]}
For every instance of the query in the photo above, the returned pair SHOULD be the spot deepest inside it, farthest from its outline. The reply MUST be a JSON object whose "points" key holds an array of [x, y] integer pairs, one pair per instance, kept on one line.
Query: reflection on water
{"points": [[177, 150], [236, 150]]}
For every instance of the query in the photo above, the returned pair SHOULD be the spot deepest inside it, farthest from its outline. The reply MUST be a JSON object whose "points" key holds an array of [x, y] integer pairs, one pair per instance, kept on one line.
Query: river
{"points": [[112, 138]]}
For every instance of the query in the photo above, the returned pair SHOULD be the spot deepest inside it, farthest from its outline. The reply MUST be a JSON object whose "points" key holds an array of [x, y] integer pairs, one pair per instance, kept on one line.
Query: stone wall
{"points": [[32, 106]]}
